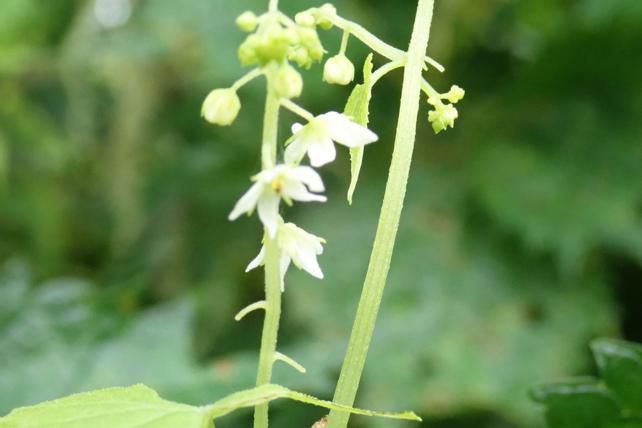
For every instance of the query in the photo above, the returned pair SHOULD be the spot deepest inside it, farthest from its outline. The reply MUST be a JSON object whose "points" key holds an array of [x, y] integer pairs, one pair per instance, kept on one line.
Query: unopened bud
{"points": [[305, 19], [273, 46], [287, 82], [291, 36], [309, 39], [326, 12], [301, 57], [455, 94], [338, 70], [247, 21], [221, 107], [247, 50]]}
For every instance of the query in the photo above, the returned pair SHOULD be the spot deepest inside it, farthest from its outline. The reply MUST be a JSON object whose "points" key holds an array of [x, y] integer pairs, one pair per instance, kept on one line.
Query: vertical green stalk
{"points": [[379, 266], [272, 269]]}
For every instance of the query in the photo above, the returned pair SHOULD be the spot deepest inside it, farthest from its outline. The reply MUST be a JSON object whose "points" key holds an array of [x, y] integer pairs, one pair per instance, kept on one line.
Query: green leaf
{"points": [[133, 407], [266, 393], [139, 406], [581, 403], [620, 364], [358, 108]]}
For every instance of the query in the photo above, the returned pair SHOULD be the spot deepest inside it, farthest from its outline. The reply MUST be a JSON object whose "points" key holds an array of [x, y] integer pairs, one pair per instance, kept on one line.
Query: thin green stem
{"points": [[247, 78], [344, 42], [270, 127], [385, 69], [270, 326], [391, 209], [375, 43], [272, 269], [429, 90], [297, 109], [274, 5], [369, 39]]}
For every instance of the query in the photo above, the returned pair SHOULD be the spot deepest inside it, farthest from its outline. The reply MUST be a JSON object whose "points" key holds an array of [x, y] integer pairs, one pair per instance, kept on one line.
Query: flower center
{"points": [[277, 185]]}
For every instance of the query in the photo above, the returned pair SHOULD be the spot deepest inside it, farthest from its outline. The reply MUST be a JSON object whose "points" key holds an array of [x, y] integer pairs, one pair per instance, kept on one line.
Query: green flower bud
{"points": [[247, 50], [221, 107], [291, 36], [338, 70], [309, 40], [442, 117], [305, 19], [287, 82], [247, 21], [301, 57], [326, 12], [455, 94], [273, 46]]}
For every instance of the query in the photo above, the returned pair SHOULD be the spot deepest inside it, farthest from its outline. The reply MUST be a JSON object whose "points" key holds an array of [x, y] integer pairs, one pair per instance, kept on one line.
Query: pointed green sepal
{"points": [[358, 108]]}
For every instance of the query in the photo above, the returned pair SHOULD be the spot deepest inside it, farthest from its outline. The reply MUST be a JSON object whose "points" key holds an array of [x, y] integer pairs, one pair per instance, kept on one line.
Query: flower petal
{"points": [[344, 131], [284, 264], [309, 177], [268, 209], [258, 260], [295, 151], [247, 202], [296, 128], [321, 152], [296, 190], [307, 260]]}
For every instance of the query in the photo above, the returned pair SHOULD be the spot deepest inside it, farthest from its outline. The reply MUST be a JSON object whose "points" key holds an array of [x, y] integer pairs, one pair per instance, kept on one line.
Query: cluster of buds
{"points": [[444, 114], [276, 38]]}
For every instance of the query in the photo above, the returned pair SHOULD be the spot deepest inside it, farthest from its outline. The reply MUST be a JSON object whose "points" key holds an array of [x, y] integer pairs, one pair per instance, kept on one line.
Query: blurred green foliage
{"points": [[522, 237], [612, 402]]}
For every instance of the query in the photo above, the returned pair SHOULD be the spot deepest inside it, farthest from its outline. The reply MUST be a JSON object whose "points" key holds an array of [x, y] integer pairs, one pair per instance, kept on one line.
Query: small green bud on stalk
{"points": [[455, 94], [442, 117], [305, 19], [287, 82], [301, 57], [221, 107], [325, 12], [338, 70], [247, 21], [247, 50]]}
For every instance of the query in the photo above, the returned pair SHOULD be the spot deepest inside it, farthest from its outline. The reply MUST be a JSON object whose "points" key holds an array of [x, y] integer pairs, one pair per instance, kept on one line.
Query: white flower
{"points": [[296, 245], [282, 181], [316, 138]]}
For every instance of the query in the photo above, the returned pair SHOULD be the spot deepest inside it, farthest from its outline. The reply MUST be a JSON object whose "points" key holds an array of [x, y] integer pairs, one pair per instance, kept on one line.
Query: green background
{"points": [[521, 239]]}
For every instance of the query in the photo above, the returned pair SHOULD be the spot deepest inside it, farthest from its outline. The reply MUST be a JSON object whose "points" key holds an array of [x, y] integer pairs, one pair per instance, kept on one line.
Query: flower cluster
{"points": [[274, 44], [290, 181]]}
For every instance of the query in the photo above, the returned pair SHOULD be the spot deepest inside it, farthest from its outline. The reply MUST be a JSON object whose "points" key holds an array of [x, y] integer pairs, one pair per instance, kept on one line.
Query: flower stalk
{"points": [[388, 225], [269, 336], [268, 354]]}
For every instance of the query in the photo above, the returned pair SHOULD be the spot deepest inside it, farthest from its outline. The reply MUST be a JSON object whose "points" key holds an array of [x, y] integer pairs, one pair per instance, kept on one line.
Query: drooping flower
{"points": [[297, 246], [271, 185], [318, 136]]}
